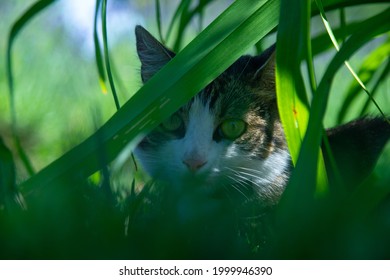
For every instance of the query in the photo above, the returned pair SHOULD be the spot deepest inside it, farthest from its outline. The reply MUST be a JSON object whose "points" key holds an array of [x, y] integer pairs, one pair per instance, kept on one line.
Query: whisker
{"points": [[237, 188], [248, 173]]}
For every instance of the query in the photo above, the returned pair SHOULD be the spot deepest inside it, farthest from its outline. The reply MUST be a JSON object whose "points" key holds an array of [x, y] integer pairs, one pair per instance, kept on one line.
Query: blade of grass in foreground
{"points": [[9, 195], [292, 99], [179, 10], [367, 70], [208, 55], [337, 4], [98, 51], [35, 9], [157, 7], [291, 95]]}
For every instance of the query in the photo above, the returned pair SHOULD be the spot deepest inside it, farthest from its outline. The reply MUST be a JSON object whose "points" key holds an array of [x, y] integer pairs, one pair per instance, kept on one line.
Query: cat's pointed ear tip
{"points": [[272, 51], [139, 30], [142, 34]]}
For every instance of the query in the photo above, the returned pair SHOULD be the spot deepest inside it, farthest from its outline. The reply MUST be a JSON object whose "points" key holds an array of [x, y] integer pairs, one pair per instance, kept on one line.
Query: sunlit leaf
{"points": [[347, 64]]}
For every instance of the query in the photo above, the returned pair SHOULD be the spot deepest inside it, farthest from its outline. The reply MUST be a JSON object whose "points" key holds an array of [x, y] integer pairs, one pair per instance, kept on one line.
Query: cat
{"points": [[230, 135]]}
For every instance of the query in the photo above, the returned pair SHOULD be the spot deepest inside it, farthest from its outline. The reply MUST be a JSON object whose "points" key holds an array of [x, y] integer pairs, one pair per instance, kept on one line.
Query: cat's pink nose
{"points": [[194, 164]]}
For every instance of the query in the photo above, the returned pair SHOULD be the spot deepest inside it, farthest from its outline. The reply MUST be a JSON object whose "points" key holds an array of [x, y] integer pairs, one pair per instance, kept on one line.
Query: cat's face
{"points": [[228, 135]]}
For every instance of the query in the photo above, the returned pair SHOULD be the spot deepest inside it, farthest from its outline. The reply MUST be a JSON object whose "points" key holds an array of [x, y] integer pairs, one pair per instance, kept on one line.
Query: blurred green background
{"points": [[59, 103]]}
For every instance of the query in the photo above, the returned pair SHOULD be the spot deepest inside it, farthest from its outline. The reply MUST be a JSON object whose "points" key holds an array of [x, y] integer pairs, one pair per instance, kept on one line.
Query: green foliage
{"points": [[69, 211]]}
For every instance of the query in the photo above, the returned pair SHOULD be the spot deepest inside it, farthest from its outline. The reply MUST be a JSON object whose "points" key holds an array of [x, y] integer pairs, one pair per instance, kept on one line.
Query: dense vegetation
{"points": [[82, 205]]}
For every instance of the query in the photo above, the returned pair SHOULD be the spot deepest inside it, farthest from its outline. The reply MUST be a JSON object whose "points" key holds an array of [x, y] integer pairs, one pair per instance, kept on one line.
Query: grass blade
{"points": [[347, 64], [9, 195], [106, 54], [98, 51], [158, 19], [337, 4], [293, 104], [382, 77], [322, 43], [291, 94], [15, 30], [369, 66], [183, 5]]}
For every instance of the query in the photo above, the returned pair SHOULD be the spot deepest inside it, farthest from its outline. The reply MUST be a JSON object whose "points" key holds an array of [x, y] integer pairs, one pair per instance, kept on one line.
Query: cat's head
{"points": [[229, 135]]}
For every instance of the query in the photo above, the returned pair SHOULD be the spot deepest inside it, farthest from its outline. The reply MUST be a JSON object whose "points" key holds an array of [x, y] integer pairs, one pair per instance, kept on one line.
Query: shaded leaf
{"points": [[15, 30], [208, 55]]}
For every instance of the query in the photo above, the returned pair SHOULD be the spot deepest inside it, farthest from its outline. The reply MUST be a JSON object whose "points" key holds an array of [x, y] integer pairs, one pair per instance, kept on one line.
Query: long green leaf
{"points": [[106, 54], [208, 55], [15, 30], [186, 16], [98, 51], [158, 19], [337, 4], [9, 195], [369, 66], [293, 31], [322, 42], [347, 64]]}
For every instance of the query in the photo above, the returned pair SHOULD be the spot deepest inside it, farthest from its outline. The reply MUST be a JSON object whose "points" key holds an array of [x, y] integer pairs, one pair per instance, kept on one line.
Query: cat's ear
{"points": [[151, 52], [264, 76], [266, 64]]}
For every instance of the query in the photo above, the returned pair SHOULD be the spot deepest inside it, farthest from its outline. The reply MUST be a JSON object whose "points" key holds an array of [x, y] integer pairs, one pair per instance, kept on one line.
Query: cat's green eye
{"points": [[232, 128], [173, 123]]}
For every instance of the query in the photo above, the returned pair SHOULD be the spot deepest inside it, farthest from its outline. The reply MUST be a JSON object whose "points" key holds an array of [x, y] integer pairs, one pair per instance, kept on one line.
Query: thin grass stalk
{"points": [[179, 10], [343, 24], [183, 21], [349, 67], [200, 20], [158, 21], [322, 178], [106, 54], [382, 77], [367, 71], [98, 52], [36, 8]]}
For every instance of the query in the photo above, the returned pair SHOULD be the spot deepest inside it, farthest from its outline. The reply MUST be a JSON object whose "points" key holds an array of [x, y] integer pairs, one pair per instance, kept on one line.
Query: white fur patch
{"points": [[198, 141]]}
